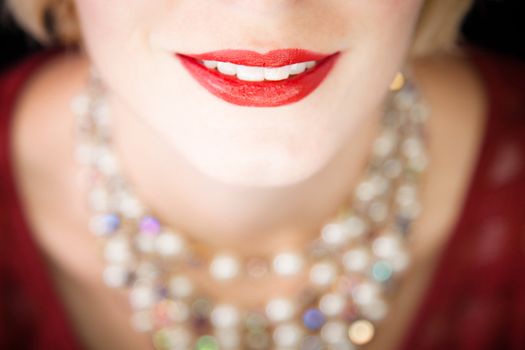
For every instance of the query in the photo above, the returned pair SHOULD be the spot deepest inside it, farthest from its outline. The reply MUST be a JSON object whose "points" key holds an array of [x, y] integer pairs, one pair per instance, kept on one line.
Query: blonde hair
{"points": [[54, 22]]}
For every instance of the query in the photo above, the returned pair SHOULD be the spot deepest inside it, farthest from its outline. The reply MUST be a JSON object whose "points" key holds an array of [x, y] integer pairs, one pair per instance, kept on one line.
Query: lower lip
{"points": [[261, 93]]}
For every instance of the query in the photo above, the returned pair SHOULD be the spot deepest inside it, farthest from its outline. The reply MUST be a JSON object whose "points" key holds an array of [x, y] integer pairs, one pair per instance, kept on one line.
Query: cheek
{"points": [[389, 21], [113, 25]]}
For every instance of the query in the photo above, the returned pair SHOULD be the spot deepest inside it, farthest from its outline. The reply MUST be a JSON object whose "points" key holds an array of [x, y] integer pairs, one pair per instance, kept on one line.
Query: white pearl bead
{"points": [[287, 264], [287, 335], [376, 310], [365, 191], [400, 261], [225, 316], [80, 104], [380, 184], [224, 267], [280, 309], [344, 344], [356, 259], [229, 338], [142, 297], [406, 194], [145, 244], [180, 287], [107, 163], [147, 271], [386, 246], [174, 338], [419, 163], [412, 147], [115, 276], [365, 293], [334, 234], [130, 206], [378, 211], [323, 273], [334, 332], [99, 200], [169, 244], [141, 321], [384, 144], [332, 304], [179, 311], [355, 226], [117, 250]]}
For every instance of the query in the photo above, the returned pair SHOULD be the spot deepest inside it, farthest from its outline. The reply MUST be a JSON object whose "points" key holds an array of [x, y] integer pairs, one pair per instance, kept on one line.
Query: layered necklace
{"points": [[351, 267]]}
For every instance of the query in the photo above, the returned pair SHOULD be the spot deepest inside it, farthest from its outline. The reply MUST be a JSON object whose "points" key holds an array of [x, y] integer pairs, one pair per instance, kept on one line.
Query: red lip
{"points": [[262, 93]]}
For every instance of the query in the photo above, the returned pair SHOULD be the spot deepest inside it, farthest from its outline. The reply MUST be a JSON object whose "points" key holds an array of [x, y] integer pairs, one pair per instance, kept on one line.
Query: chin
{"points": [[271, 167]]}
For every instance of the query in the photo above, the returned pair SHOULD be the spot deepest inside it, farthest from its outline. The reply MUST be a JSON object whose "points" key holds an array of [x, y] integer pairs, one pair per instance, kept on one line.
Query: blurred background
{"points": [[498, 25]]}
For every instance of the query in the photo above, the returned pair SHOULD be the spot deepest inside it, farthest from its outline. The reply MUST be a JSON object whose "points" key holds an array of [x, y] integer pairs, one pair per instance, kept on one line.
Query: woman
{"points": [[220, 166]]}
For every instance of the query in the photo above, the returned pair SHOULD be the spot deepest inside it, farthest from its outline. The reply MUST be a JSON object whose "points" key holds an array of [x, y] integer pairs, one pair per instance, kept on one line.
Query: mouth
{"points": [[247, 78]]}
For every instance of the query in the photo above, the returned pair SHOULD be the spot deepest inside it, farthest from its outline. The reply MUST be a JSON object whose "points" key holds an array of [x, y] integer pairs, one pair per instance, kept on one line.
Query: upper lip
{"points": [[274, 58]]}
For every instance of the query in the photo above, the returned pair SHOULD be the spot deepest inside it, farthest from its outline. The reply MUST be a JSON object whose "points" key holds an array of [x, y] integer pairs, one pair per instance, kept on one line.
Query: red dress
{"points": [[476, 299]]}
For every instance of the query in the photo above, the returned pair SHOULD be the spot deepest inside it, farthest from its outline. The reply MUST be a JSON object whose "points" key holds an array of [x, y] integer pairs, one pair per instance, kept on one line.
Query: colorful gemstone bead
{"points": [[149, 225], [313, 319], [106, 224], [381, 271], [207, 342]]}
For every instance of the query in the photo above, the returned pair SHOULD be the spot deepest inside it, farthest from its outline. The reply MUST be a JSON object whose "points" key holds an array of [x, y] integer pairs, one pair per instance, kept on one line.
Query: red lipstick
{"points": [[265, 93]]}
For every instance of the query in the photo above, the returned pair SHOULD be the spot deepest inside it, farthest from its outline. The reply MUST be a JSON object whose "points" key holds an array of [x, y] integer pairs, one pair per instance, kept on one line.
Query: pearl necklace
{"points": [[352, 266]]}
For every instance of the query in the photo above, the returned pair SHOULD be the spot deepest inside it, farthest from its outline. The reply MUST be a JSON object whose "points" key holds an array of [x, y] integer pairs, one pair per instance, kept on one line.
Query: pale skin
{"points": [[217, 205]]}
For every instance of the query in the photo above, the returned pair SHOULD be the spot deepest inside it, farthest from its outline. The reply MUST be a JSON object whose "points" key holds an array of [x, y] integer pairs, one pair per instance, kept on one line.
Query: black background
{"points": [[498, 25]]}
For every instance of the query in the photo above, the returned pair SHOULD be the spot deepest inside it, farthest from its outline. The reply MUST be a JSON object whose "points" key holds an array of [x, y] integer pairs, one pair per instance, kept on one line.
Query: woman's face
{"points": [[273, 131]]}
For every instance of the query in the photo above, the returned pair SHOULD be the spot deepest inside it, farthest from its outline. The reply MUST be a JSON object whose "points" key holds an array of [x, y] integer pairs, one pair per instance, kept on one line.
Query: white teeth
{"points": [[210, 64], [278, 73], [250, 73], [227, 68], [254, 73], [297, 68]]}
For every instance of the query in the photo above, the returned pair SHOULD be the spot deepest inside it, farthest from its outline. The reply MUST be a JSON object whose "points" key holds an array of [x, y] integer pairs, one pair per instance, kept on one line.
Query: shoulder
{"points": [[40, 108], [35, 153], [489, 83]]}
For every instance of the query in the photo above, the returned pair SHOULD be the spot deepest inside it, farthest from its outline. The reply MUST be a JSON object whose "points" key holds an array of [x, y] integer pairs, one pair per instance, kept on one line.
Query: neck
{"points": [[253, 220]]}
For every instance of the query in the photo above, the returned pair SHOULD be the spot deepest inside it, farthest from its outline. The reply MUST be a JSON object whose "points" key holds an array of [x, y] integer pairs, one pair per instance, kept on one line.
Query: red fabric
{"points": [[476, 299]]}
